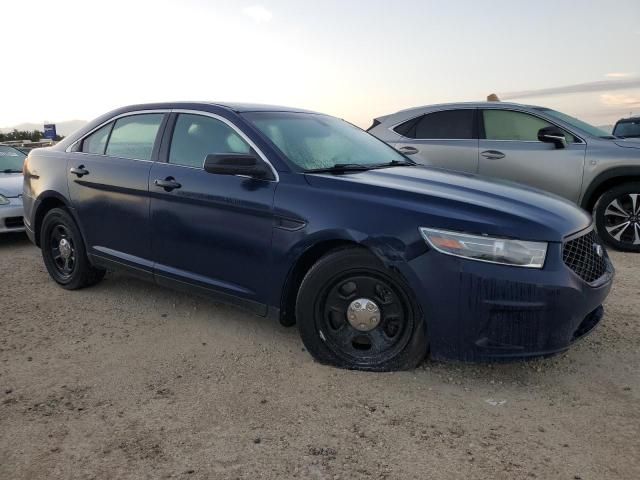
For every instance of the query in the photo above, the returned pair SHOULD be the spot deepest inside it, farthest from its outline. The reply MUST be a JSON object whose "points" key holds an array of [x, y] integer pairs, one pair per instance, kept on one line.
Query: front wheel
{"points": [[64, 253], [353, 312], [617, 215]]}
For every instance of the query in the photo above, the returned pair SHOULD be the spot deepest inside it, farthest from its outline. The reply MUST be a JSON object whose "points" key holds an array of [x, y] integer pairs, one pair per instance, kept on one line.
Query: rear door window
{"points": [[134, 136], [443, 125]]}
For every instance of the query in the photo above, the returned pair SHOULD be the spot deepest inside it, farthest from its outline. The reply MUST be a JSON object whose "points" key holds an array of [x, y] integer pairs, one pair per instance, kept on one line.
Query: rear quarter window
{"points": [[97, 141], [134, 136]]}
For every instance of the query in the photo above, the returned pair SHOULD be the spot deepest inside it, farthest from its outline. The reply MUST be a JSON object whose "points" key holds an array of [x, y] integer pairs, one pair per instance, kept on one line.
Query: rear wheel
{"points": [[353, 312], [64, 252], [617, 214]]}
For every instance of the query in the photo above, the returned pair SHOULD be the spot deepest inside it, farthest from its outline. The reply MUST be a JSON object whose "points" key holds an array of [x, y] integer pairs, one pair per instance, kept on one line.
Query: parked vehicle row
{"points": [[531, 145], [11, 214], [302, 216]]}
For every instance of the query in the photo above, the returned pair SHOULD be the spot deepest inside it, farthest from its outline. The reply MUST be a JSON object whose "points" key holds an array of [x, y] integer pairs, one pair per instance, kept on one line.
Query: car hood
{"points": [[11, 184], [465, 202]]}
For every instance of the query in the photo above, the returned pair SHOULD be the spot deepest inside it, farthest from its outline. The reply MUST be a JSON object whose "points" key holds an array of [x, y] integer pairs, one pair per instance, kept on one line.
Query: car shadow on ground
{"points": [[180, 304], [13, 239], [268, 331]]}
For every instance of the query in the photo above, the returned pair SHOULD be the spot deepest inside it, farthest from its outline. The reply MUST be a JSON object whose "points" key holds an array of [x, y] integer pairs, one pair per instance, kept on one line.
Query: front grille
{"points": [[14, 222], [581, 256]]}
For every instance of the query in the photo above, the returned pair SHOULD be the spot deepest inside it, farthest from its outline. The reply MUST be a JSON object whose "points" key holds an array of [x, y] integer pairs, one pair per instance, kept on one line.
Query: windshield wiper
{"points": [[11, 170], [342, 168], [396, 163]]}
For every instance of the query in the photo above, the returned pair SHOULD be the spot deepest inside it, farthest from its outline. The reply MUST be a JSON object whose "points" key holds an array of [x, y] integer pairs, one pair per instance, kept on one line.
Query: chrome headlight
{"points": [[518, 253], [3, 200]]}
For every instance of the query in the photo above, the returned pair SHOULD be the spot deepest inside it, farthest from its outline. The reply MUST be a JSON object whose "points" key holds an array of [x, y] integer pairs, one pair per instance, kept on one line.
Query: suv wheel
{"points": [[352, 312], [64, 252], [617, 214]]}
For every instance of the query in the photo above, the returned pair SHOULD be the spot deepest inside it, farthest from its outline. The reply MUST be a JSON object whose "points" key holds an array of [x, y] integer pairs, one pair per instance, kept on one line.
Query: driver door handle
{"points": [[408, 150], [493, 154], [168, 184], [79, 171]]}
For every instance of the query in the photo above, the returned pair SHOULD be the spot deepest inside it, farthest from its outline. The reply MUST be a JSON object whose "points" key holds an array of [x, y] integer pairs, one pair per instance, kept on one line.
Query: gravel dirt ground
{"points": [[130, 380]]}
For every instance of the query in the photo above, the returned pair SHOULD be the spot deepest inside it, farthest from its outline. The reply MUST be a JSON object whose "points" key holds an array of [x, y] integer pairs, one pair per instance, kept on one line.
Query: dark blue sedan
{"points": [[304, 217]]}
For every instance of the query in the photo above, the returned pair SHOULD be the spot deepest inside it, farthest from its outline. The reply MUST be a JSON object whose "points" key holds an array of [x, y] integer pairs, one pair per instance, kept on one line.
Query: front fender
{"points": [[627, 173]]}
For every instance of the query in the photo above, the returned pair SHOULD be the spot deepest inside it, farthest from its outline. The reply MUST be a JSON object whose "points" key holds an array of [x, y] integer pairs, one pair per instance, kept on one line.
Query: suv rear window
{"points": [[446, 124], [628, 128]]}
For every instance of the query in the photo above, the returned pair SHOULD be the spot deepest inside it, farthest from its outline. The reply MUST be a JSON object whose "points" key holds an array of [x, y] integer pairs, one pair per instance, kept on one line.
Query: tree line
{"points": [[33, 135]]}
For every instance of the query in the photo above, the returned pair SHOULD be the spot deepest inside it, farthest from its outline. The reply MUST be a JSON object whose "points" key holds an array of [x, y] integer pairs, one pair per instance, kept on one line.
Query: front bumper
{"points": [[12, 216], [478, 311]]}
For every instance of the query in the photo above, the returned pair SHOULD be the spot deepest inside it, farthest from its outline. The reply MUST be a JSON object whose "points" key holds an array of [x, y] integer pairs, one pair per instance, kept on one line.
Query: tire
{"points": [[615, 209], [64, 253], [343, 284]]}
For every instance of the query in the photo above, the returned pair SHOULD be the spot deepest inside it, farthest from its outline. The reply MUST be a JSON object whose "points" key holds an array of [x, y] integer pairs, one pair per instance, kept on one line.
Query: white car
{"points": [[11, 212]]}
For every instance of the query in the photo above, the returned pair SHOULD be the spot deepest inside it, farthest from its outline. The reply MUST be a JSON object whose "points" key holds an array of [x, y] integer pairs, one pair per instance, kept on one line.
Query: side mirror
{"points": [[552, 134], [237, 164]]}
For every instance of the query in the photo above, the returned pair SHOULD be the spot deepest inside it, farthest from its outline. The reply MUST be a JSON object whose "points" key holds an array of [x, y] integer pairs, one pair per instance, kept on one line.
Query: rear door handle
{"points": [[492, 154], [79, 171], [168, 184], [408, 150]]}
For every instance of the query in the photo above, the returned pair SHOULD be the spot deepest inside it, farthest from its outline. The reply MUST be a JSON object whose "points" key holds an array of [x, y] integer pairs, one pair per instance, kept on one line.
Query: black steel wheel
{"points": [[353, 312], [64, 253], [617, 215]]}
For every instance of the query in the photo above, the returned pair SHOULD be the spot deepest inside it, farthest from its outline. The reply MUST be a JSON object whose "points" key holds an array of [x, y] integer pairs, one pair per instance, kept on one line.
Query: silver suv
{"points": [[532, 145]]}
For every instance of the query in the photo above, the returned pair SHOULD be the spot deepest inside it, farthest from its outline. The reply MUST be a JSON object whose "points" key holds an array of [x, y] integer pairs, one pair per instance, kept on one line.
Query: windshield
{"points": [[628, 129], [313, 141], [574, 122], [11, 160]]}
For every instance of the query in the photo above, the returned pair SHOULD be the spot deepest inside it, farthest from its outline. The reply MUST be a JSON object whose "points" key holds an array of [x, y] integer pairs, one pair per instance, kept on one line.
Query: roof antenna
{"points": [[493, 98]]}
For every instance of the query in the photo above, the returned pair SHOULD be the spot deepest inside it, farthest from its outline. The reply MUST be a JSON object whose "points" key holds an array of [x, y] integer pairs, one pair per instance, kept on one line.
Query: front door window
{"points": [[515, 126]]}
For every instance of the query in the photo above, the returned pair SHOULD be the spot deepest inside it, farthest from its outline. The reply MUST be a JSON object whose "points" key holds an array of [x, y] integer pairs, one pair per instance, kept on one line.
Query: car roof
{"points": [[629, 119], [484, 104], [205, 106], [233, 106]]}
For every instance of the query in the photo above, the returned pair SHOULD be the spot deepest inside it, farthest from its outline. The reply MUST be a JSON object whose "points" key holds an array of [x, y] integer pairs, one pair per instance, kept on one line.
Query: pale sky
{"points": [[358, 59]]}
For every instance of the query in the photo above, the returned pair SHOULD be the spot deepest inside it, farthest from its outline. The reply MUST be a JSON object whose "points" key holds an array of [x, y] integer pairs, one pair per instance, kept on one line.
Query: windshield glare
{"points": [[11, 159], [574, 122], [314, 141]]}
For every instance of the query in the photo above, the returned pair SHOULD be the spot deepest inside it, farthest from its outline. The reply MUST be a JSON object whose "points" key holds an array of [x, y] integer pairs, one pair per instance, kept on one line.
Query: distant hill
{"points": [[62, 128]]}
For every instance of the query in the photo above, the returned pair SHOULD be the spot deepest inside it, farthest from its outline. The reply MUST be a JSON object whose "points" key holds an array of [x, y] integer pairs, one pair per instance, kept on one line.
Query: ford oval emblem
{"points": [[598, 248]]}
